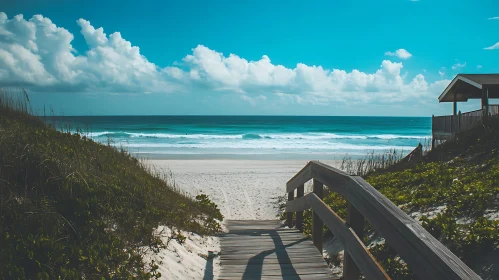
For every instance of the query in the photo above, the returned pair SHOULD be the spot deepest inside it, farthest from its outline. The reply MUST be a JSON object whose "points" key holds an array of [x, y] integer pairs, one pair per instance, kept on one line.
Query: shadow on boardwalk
{"points": [[264, 250], [255, 264]]}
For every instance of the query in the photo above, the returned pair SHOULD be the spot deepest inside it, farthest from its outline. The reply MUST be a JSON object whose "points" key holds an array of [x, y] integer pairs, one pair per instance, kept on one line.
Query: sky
{"points": [[361, 58]]}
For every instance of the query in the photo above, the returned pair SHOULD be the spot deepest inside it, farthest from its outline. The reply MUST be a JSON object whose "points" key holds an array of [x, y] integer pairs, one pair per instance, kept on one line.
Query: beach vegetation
{"points": [[71, 208], [452, 191]]}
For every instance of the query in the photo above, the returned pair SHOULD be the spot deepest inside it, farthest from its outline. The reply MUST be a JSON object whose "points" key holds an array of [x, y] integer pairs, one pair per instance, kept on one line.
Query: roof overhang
{"points": [[470, 86]]}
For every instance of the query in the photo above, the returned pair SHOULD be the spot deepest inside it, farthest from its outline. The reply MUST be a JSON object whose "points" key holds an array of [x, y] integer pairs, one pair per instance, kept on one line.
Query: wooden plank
{"points": [[275, 266], [269, 254], [259, 244], [299, 214], [317, 223], [249, 261], [289, 215], [300, 178], [353, 245], [275, 270], [427, 257], [299, 204], [301, 277], [356, 221], [260, 232], [292, 237], [242, 251]]}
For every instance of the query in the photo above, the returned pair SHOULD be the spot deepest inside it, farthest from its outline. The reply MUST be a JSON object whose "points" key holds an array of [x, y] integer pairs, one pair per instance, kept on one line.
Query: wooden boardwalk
{"points": [[264, 250]]}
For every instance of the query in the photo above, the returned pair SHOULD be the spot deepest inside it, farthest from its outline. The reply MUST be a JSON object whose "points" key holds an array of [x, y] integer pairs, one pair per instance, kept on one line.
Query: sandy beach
{"points": [[243, 189]]}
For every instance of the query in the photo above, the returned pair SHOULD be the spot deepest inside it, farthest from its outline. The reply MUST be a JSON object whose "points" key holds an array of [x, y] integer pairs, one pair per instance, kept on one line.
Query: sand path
{"points": [[243, 189]]}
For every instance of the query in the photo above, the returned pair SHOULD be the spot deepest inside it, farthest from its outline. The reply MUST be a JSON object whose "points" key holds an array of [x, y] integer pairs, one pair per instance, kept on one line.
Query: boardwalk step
{"points": [[265, 250]]}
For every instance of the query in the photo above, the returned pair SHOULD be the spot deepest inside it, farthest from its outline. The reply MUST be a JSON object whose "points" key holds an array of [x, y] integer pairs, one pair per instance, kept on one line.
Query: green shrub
{"points": [[460, 176], [72, 208]]}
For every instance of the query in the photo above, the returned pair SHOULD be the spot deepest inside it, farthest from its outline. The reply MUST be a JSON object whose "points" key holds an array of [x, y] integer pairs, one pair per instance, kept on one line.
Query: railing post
{"points": [[317, 223], [459, 121], [432, 131], [289, 217], [356, 221], [299, 215]]}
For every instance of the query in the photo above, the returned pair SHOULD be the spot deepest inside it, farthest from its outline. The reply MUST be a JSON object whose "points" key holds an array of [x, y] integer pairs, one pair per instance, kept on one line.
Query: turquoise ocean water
{"points": [[252, 137]]}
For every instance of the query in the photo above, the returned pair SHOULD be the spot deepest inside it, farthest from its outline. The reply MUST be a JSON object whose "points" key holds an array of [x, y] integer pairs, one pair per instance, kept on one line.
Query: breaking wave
{"points": [[251, 136]]}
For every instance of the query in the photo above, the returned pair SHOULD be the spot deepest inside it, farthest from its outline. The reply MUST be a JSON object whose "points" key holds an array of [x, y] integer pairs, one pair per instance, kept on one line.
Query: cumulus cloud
{"points": [[400, 53], [237, 74], [37, 54], [493, 47]]}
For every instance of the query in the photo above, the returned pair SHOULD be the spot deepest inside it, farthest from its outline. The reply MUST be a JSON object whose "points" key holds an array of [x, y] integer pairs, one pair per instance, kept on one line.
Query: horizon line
{"points": [[180, 115]]}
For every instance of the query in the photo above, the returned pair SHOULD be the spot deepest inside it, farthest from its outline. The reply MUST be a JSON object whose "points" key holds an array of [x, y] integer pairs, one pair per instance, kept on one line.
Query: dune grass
{"points": [[453, 191], [72, 208]]}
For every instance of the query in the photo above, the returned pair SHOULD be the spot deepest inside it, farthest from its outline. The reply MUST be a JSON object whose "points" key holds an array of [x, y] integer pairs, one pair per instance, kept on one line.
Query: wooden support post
{"points": [[356, 221], [317, 223], [432, 131], [459, 121], [454, 108], [485, 103], [299, 215], [289, 217]]}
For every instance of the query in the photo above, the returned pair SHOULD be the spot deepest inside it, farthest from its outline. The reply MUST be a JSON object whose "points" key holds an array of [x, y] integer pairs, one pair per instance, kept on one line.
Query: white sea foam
{"points": [[96, 134], [297, 136], [273, 145]]}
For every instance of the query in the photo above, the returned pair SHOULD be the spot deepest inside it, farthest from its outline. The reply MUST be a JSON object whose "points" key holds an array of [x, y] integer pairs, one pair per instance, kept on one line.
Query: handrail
{"points": [[427, 257]]}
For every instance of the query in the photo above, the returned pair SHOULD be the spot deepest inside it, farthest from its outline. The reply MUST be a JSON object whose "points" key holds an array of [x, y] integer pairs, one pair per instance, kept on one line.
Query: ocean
{"points": [[251, 137]]}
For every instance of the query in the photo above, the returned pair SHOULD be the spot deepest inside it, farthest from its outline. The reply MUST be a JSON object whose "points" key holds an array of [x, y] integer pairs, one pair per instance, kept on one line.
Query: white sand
{"points": [[189, 260], [243, 189]]}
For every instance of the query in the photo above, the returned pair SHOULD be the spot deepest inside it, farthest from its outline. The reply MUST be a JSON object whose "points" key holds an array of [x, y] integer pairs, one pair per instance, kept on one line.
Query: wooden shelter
{"points": [[462, 88]]}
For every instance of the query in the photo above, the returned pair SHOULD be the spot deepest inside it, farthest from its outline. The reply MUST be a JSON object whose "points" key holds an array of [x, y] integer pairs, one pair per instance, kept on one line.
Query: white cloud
{"points": [[262, 76], [493, 18], [441, 72], [400, 53], [479, 67], [458, 65], [37, 54], [493, 47], [253, 100]]}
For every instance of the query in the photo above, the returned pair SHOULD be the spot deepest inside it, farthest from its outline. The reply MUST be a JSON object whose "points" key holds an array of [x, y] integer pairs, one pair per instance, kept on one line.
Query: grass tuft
{"points": [[72, 208]]}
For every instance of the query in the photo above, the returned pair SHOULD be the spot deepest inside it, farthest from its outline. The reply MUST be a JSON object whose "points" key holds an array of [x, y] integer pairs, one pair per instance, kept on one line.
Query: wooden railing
{"points": [[494, 110], [427, 257], [449, 125]]}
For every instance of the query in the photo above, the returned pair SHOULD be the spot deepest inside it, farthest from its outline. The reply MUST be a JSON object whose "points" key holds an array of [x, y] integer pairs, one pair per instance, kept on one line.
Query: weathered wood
{"points": [[296, 205], [356, 222], [289, 217], [311, 260], [299, 214], [317, 223], [300, 178], [427, 257], [485, 102], [269, 251], [353, 245], [432, 132]]}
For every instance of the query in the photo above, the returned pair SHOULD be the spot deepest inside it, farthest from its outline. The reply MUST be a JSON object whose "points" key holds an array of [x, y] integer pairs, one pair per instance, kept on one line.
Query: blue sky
{"points": [[389, 57]]}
